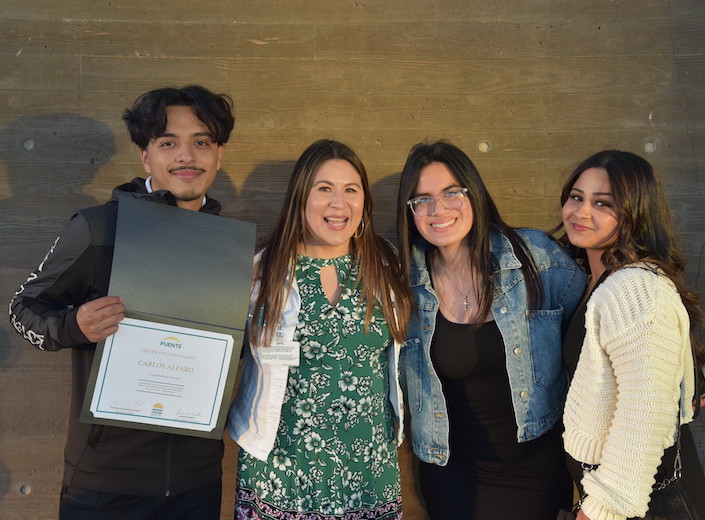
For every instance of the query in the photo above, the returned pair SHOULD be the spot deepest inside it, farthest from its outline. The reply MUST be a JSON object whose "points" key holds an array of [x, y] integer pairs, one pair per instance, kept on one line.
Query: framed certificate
{"points": [[184, 278], [150, 373]]}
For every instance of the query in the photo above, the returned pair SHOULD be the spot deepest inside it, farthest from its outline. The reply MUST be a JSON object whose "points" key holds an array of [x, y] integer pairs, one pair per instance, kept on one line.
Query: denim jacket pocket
{"points": [[412, 375], [546, 344]]}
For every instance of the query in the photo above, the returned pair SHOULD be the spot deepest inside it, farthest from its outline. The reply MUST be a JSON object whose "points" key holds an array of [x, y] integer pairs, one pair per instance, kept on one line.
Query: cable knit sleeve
{"points": [[622, 407]]}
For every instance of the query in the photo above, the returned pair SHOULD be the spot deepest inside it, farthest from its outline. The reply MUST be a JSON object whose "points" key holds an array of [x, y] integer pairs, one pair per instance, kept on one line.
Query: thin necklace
{"points": [[465, 297], [466, 303], [454, 285], [458, 317]]}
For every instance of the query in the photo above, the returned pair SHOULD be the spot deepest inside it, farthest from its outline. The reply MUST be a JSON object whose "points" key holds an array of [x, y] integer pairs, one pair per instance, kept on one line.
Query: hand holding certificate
{"points": [[185, 282]]}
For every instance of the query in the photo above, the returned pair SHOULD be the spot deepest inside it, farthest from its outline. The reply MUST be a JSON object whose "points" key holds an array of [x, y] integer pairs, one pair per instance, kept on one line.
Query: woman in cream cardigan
{"points": [[629, 346]]}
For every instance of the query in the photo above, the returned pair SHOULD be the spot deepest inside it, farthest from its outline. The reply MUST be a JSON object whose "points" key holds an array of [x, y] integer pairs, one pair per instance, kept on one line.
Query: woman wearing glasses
{"points": [[481, 367]]}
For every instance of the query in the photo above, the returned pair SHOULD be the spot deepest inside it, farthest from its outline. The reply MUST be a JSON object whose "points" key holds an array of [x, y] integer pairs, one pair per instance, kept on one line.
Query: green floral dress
{"points": [[335, 455]]}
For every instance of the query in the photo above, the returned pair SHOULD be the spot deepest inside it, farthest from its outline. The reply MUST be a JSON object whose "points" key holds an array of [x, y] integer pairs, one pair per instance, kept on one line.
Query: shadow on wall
{"points": [[384, 209], [262, 196], [5, 478], [49, 159], [225, 192]]}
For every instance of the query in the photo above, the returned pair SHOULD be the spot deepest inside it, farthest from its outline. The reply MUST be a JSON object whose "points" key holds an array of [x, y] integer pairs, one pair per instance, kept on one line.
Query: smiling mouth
{"points": [[336, 221], [443, 225], [580, 227], [192, 170]]}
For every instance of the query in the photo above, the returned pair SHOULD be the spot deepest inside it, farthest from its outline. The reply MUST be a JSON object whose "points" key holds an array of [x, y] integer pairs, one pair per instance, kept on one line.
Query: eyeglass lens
{"points": [[425, 206]]}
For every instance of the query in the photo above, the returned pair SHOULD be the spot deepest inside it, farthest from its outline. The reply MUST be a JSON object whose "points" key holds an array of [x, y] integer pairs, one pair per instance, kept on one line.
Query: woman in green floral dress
{"points": [[314, 415]]}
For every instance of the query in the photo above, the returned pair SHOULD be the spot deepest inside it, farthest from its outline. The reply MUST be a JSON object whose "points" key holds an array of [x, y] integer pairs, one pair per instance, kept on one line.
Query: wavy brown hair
{"points": [[380, 277], [645, 231]]}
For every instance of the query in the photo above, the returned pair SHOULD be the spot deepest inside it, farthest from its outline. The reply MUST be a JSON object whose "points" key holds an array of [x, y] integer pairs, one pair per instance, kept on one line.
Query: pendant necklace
{"points": [[443, 273], [466, 303]]}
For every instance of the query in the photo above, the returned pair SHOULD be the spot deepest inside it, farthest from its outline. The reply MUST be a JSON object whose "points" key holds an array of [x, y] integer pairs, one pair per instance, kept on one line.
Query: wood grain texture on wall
{"points": [[539, 84]]}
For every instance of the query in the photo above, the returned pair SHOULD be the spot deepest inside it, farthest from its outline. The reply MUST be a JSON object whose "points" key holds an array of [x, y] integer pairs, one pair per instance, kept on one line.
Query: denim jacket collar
{"points": [[503, 252]]}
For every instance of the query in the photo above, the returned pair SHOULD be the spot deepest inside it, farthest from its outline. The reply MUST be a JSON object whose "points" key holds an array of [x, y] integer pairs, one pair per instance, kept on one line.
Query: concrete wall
{"points": [[538, 85]]}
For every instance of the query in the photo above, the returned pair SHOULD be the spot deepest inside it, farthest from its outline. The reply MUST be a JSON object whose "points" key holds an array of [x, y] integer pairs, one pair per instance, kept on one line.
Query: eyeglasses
{"points": [[425, 206]]}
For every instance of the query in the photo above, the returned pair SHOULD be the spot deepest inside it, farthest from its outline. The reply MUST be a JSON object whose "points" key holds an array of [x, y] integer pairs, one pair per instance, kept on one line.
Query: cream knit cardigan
{"points": [[634, 372]]}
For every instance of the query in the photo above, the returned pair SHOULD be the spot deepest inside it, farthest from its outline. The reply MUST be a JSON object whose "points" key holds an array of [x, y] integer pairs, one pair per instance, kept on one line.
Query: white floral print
{"points": [[334, 457]]}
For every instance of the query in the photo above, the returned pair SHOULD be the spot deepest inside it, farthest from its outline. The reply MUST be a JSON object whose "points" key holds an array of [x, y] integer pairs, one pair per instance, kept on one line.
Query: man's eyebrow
{"points": [[197, 134]]}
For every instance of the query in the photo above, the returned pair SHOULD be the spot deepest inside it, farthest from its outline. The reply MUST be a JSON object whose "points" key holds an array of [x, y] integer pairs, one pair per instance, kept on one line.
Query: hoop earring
{"points": [[358, 233]]}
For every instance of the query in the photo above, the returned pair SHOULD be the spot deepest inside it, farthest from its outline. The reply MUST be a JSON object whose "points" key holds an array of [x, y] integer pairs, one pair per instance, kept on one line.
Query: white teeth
{"points": [[443, 225], [333, 220]]}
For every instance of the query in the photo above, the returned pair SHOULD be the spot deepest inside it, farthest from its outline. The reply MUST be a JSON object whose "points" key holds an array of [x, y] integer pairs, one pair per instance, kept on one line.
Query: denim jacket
{"points": [[253, 419], [532, 342]]}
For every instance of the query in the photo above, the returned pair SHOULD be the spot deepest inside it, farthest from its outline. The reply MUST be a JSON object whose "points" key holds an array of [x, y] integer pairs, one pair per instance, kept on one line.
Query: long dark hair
{"points": [[379, 277], [645, 231], [485, 217]]}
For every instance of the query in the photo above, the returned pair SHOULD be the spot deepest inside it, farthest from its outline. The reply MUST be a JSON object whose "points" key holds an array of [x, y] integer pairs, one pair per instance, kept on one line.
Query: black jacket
{"points": [[104, 458]]}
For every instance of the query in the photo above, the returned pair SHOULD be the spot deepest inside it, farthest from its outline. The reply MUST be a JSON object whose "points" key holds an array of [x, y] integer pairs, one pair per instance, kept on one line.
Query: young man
{"points": [[111, 472]]}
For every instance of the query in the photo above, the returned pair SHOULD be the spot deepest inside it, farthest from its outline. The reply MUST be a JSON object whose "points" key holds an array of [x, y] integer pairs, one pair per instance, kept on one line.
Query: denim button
{"points": [[504, 310], [517, 351], [523, 394]]}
